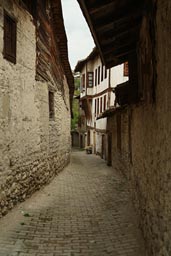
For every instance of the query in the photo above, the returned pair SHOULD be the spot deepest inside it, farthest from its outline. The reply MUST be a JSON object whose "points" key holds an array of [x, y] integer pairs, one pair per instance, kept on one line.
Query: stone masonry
{"points": [[85, 211], [145, 152], [33, 148]]}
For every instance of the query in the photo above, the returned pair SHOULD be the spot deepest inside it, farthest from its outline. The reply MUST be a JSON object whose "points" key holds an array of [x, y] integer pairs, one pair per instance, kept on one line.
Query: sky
{"points": [[80, 41]]}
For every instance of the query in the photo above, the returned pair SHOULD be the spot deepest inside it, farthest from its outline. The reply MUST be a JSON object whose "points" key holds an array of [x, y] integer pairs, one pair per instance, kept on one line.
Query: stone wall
{"points": [[33, 148], [121, 155], [150, 128]]}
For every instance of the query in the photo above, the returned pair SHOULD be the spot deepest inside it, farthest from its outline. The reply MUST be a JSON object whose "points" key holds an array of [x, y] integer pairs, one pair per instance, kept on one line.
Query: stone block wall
{"points": [[121, 157], [33, 148], [151, 143], [149, 137]]}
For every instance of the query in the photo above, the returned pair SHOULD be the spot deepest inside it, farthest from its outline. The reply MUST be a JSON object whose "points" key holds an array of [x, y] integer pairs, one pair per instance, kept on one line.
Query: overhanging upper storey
{"points": [[115, 26]]}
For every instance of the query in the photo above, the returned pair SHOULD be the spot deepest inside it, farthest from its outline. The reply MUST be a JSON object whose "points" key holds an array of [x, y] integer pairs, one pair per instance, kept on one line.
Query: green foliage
{"points": [[77, 86], [75, 109], [75, 105]]}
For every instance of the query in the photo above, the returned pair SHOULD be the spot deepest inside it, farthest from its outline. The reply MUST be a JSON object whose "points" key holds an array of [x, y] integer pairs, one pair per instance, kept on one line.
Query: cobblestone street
{"points": [[86, 211]]}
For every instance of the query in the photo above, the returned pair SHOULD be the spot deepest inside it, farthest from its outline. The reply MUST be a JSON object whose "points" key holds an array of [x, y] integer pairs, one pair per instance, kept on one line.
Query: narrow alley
{"points": [[85, 210]]}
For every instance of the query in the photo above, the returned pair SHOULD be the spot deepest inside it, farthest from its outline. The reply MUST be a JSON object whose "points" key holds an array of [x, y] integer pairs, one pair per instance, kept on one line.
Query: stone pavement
{"points": [[85, 211]]}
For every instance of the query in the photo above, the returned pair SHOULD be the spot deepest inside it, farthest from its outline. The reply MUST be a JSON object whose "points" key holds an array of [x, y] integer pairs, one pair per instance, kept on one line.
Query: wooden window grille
{"points": [[51, 105], [90, 79], [126, 69], [10, 38]]}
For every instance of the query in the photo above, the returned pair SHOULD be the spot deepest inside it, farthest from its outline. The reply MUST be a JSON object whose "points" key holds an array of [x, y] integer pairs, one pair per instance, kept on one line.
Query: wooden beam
{"points": [[119, 24], [117, 15], [106, 7], [94, 4], [120, 52], [116, 61], [113, 49], [119, 39]]}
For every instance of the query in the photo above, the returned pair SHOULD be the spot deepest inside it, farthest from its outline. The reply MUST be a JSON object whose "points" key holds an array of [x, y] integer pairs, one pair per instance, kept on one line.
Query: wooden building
{"points": [[96, 96]]}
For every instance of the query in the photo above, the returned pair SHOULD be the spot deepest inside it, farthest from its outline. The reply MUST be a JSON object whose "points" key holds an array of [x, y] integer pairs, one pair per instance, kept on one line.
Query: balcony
{"points": [[126, 94]]}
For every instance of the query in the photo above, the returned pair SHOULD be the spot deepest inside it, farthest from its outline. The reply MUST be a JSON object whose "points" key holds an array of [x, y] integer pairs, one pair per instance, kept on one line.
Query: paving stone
{"points": [[85, 211]]}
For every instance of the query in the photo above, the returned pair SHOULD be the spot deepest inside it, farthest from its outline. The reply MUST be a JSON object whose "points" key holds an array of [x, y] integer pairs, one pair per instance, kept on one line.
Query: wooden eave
{"points": [[61, 39], [115, 26], [81, 63], [112, 111]]}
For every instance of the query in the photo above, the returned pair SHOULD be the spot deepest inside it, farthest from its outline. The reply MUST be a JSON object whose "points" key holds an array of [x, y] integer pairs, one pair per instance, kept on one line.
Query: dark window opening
{"points": [[104, 102], [10, 38], [97, 106], [105, 73], [88, 138], [96, 77], [99, 75], [101, 105], [102, 73], [51, 105], [83, 81]]}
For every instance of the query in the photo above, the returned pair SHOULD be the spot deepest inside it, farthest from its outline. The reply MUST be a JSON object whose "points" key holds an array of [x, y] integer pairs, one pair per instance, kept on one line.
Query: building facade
{"points": [[36, 88], [96, 96]]}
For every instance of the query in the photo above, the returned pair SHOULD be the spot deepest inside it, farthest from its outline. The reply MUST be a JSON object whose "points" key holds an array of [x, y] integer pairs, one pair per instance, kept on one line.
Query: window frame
{"points": [[104, 103], [51, 102], [102, 71], [97, 106], [88, 79], [83, 82], [101, 105], [10, 40], [96, 77], [99, 75]]}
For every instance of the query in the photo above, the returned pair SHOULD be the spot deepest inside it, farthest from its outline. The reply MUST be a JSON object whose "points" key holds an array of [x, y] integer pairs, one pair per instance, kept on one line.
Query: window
{"points": [[51, 105], [95, 107], [126, 69], [10, 37], [101, 105], [99, 75], [104, 103], [102, 73], [90, 79], [83, 81], [105, 73], [96, 77]]}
